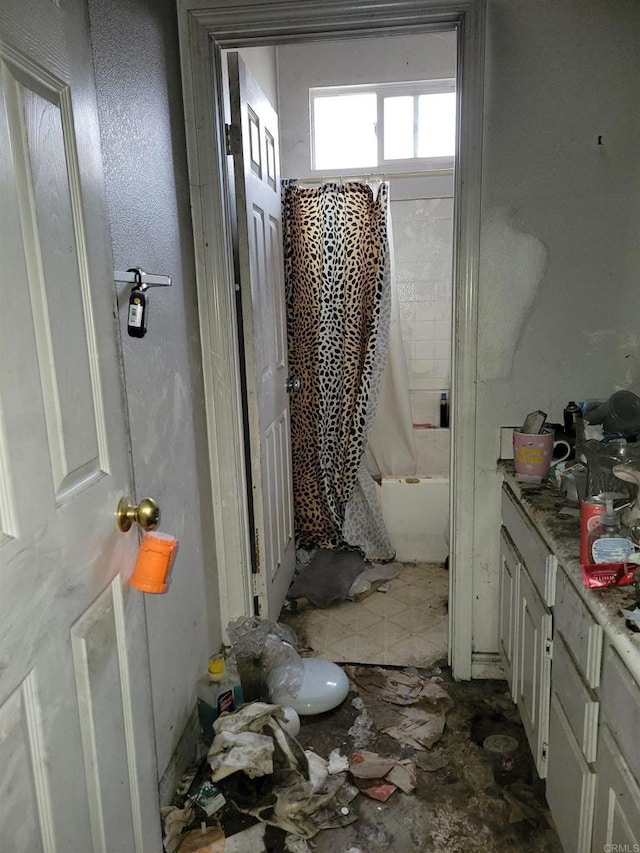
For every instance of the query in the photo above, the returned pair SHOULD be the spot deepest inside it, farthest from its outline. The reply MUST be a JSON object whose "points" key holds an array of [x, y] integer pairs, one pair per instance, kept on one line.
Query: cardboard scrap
{"points": [[379, 777], [381, 791], [403, 776], [369, 765]]}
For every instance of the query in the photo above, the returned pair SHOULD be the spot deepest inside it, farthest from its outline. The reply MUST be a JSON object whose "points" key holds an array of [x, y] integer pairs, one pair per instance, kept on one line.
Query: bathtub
{"points": [[416, 509]]}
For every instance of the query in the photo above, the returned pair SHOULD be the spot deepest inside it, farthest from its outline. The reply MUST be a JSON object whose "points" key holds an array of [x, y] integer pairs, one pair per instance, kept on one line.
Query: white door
{"points": [[76, 733], [254, 145]]}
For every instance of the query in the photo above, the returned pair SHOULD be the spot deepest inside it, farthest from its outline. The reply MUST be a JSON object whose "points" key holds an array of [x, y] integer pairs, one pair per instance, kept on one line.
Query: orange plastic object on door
{"points": [[151, 572]]}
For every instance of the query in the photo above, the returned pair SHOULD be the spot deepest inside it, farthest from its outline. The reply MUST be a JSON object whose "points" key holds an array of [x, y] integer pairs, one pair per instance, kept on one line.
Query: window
{"points": [[390, 126]]}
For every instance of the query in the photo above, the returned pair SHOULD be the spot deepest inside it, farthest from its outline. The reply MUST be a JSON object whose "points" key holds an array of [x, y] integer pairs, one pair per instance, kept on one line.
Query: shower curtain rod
{"points": [[374, 176]]}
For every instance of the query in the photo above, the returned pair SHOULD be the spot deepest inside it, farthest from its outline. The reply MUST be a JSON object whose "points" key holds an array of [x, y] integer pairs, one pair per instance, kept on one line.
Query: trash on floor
{"points": [[327, 576], [266, 656], [175, 821], [379, 777], [399, 687], [419, 703], [372, 578], [207, 839], [324, 686], [203, 793], [268, 775], [213, 840], [362, 727]]}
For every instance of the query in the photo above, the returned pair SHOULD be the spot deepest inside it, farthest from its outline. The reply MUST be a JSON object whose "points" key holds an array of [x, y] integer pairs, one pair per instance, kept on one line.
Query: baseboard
{"points": [[186, 752], [487, 665]]}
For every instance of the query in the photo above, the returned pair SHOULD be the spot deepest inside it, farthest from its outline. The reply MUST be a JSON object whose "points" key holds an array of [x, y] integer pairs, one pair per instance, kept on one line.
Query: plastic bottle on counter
{"points": [[570, 414], [220, 690], [606, 542], [444, 410]]}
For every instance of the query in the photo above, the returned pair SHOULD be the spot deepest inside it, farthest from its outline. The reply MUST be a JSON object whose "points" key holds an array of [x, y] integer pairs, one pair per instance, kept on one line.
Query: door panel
{"points": [[76, 743], [254, 137]]}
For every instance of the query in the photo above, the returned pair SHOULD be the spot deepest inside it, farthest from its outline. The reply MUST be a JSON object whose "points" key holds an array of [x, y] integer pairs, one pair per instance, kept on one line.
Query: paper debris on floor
{"points": [[379, 777], [399, 687], [207, 839], [406, 705], [337, 763], [418, 727], [175, 821], [267, 774]]}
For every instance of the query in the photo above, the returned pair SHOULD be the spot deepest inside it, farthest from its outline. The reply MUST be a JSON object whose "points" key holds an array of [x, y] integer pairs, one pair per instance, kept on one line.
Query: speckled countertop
{"points": [[542, 504]]}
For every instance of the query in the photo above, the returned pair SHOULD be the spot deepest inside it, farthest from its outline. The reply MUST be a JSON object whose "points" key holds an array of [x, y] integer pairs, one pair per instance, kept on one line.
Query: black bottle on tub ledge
{"points": [[444, 410]]}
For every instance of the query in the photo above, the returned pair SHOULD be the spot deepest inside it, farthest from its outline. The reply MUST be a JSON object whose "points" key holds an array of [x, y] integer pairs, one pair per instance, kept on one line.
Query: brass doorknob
{"points": [[146, 514]]}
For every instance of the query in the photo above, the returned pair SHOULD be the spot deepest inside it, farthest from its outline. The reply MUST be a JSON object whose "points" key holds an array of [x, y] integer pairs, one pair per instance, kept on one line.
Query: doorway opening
{"points": [[205, 33], [409, 449]]}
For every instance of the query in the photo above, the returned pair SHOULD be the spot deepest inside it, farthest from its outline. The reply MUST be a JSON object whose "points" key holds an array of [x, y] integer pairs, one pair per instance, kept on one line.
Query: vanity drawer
{"points": [[579, 704], [620, 707], [582, 634], [540, 562]]}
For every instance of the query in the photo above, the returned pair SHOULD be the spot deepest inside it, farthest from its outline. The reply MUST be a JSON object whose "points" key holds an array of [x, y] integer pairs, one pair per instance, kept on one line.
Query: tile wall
{"points": [[423, 247]]}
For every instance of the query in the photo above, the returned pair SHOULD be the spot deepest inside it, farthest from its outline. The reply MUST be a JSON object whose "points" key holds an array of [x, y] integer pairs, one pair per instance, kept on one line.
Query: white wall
{"points": [[560, 259], [142, 131], [423, 254], [335, 63]]}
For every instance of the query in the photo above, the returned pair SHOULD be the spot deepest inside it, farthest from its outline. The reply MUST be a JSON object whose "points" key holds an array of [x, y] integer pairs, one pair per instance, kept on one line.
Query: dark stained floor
{"points": [[457, 805]]}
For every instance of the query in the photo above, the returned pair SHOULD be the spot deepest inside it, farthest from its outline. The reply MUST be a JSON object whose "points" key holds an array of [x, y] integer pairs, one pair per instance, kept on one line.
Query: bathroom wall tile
{"points": [[407, 311], [423, 349], [442, 350], [425, 406], [441, 330]]}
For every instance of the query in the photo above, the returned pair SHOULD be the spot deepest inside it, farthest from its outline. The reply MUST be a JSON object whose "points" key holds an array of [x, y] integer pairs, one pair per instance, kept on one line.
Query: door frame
{"points": [[204, 33]]}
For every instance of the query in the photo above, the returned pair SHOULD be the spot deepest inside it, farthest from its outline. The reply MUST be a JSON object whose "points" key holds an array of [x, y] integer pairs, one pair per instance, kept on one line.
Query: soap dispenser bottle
{"points": [[606, 542]]}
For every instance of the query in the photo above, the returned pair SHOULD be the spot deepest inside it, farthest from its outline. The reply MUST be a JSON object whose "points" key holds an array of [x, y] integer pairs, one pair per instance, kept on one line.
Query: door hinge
{"points": [[258, 586], [548, 648], [227, 139]]}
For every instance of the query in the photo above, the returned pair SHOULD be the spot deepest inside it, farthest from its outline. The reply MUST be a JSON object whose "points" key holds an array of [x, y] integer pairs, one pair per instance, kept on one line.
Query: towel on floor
{"points": [[327, 577]]}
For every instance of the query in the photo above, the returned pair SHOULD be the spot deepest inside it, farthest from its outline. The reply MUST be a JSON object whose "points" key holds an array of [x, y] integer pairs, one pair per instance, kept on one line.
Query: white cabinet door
{"points": [[617, 811], [508, 612], [254, 134], [534, 669], [77, 755], [571, 783]]}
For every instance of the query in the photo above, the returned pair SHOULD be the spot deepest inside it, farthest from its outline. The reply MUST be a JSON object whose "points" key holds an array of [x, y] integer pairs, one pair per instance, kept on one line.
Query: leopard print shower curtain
{"points": [[338, 304]]}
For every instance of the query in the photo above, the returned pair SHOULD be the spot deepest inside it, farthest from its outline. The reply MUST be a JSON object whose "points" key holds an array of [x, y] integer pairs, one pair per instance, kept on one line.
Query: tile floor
{"points": [[405, 626]]}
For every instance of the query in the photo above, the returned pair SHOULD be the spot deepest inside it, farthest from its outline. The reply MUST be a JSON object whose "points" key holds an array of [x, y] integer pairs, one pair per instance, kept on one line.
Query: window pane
{"points": [[398, 128], [345, 131], [437, 125]]}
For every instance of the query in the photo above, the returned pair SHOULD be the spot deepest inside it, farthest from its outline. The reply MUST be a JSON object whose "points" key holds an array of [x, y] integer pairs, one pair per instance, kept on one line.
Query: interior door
{"points": [[76, 738], [254, 145]]}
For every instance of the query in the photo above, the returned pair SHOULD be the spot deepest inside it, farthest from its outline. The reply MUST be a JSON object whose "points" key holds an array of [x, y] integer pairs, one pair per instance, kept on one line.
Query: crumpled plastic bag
{"points": [[272, 643]]}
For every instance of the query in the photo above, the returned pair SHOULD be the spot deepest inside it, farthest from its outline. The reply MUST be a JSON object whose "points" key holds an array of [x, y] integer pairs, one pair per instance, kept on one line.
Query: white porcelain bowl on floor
{"points": [[324, 686]]}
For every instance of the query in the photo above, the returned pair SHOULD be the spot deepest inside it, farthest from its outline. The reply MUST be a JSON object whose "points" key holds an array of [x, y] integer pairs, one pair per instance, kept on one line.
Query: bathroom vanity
{"points": [[573, 668]]}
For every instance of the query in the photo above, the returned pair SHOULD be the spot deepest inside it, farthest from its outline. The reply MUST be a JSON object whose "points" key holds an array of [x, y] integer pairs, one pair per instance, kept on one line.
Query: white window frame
{"points": [[413, 88]]}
